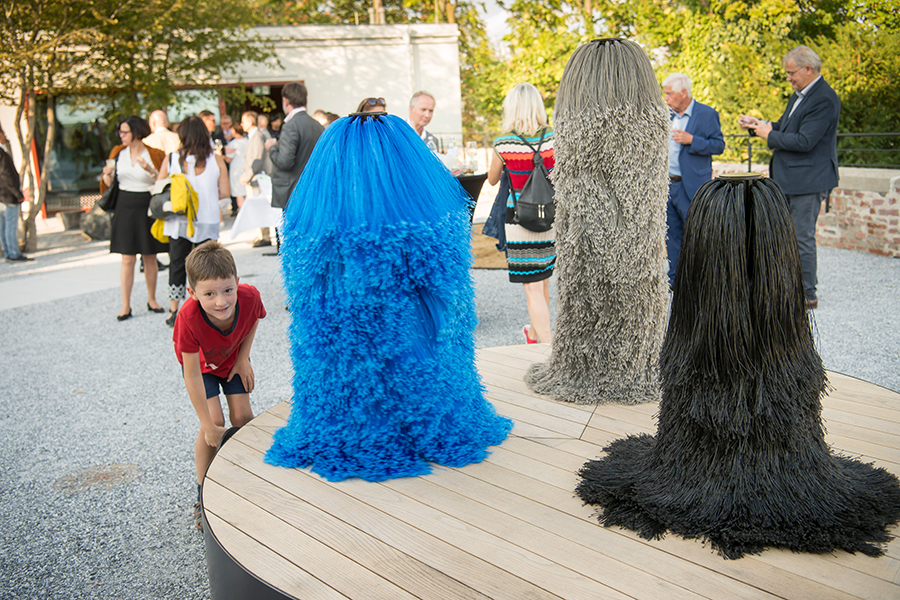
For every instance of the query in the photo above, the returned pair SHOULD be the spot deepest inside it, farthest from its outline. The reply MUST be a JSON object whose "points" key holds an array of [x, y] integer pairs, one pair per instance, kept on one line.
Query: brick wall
{"points": [[864, 211]]}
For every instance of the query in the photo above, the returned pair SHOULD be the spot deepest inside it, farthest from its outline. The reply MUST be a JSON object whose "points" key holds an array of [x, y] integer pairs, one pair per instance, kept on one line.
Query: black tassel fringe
{"points": [[739, 458]]}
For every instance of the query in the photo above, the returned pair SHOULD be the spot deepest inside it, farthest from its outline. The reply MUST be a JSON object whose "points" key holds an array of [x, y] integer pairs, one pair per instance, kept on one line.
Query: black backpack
{"points": [[534, 206]]}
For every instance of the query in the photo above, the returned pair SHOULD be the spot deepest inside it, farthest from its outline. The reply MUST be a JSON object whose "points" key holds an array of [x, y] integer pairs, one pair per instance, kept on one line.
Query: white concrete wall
{"points": [[341, 65]]}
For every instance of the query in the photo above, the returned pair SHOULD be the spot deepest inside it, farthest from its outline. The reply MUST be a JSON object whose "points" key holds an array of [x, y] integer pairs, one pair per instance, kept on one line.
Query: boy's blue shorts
{"points": [[214, 382]]}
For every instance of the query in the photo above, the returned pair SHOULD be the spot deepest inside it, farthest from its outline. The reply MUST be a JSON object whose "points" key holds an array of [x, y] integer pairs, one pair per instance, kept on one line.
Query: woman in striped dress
{"points": [[530, 255]]}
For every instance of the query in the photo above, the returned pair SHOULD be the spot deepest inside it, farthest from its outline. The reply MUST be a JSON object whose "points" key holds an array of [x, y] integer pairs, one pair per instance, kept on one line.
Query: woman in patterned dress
{"points": [[530, 255]]}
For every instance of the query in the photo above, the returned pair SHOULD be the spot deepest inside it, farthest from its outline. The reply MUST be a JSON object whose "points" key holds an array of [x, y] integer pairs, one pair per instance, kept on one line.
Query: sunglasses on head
{"points": [[375, 101]]}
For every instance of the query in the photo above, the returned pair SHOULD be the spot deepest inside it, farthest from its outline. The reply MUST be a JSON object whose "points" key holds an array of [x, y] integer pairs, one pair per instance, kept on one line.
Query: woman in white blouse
{"points": [[207, 174], [135, 166]]}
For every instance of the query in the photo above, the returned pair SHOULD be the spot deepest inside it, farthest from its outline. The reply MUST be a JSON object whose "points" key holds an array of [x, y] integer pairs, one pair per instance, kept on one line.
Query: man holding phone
{"points": [[804, 152]]}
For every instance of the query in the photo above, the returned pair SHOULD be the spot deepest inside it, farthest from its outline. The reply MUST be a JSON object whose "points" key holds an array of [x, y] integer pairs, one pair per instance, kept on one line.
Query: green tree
{"points": [[861, 64], [733, 52], [131, 54], [480, 71], [543, 34], [46, 50]]}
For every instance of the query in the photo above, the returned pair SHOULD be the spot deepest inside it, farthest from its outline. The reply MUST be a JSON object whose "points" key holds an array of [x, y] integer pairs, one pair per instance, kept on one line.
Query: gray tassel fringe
{"points": [[611, 183]]}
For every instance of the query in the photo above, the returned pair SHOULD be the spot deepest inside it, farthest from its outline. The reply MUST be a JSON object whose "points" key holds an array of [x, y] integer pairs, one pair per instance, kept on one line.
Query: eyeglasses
{"points": [[794, 72], [375, 101], [120, 133]]}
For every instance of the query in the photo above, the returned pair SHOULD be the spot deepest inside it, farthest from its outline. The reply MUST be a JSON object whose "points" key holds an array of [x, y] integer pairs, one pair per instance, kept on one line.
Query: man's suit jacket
{"points": [[695, 159], [10, 187], [804, 157], [256, 157], [295, 144]]}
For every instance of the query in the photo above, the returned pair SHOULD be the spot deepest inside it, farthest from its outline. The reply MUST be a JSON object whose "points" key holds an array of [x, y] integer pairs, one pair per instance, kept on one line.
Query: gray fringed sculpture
{"points": [[611, 186], [740, 457]]}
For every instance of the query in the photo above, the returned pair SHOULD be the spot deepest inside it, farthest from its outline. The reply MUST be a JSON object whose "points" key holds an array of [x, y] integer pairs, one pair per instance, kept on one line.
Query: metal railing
{"points": [[485, 138], [894, 148]]}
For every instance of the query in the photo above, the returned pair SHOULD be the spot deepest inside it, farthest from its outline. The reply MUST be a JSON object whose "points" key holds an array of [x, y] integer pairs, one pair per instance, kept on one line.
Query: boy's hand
{"points": [[214, 436], [245, 370]]}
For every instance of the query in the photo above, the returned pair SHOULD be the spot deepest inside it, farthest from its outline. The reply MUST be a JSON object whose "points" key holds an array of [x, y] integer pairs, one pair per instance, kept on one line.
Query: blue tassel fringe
{"points": [[375, 260]]}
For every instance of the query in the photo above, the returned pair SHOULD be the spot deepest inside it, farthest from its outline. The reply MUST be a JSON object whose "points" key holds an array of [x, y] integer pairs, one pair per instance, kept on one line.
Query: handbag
{"points": [[534, 207], [494, 225], [108, 199], [161, 200]]}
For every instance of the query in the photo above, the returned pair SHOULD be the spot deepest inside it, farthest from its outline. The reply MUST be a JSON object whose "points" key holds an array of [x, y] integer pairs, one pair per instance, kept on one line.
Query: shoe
{"points": [[19, 258], [170, 321], [160, 266], [124, 317], [527, 338], [158, 310], [812, 303], [261, 243], [198, 516]]}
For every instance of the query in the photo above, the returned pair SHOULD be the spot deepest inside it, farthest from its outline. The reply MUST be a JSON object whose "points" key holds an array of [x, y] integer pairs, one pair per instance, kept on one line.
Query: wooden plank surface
{"points": [[511, 526]]}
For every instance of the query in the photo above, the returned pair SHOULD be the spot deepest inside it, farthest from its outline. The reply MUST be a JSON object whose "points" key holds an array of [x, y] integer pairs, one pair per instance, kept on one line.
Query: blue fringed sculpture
{"points": [[375, 259]]}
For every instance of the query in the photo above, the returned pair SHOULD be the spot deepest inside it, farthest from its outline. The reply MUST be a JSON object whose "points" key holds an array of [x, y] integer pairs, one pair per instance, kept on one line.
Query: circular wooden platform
{"points": [[510, 527]]}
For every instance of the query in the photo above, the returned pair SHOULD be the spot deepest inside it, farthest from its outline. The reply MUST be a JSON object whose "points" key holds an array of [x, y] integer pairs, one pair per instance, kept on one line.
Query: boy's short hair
{"points": [[209, 260]]}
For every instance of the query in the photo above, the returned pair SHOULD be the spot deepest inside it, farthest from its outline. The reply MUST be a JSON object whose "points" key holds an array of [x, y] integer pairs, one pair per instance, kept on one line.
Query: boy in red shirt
{"points": [[214, 331]]}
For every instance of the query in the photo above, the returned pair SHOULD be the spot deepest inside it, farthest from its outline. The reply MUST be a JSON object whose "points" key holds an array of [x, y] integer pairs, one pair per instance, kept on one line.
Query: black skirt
{"points": [[130, 225]]}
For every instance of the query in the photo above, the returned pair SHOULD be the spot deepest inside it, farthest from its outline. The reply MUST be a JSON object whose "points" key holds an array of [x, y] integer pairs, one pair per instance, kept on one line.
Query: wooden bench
{"points": [[510, 527]]}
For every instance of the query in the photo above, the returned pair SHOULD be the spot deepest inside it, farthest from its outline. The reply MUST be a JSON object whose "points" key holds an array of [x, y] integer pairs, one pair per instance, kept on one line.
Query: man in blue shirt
{"points": [[696, 137]]}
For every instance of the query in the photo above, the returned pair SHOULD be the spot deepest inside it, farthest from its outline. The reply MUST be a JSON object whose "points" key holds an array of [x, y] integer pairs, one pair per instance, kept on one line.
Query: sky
{"points": [[495, 22]]}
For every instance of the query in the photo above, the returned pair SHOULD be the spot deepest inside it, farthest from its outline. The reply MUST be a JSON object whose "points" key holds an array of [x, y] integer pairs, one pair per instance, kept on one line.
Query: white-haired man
{"points": [[696, 137], [804, 152], [161, 138], [421, 109]]}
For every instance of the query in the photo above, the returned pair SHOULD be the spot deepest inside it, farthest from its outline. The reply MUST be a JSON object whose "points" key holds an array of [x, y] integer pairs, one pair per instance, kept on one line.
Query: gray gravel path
{"points": [[82, 391]]}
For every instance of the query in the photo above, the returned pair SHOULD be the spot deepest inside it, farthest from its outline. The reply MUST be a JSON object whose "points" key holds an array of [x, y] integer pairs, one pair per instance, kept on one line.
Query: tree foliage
{"points": [[733, 52], [132, 54]]}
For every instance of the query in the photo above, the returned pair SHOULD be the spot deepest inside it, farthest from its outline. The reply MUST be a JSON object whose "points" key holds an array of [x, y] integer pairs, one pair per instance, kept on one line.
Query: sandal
{"points": [[170, 321], [198, 516]]}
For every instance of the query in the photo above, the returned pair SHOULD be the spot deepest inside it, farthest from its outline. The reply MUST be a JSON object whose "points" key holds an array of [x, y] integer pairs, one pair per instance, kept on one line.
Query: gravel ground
{"points": [[82, 392]]}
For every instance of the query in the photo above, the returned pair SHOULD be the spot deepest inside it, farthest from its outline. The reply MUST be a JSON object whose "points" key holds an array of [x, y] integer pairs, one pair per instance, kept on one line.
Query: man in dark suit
{"points": [[696, 137], [804, 152], [291, 150], [10, 198]]}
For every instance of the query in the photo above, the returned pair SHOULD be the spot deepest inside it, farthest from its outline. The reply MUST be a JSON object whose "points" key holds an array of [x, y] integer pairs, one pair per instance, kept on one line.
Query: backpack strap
{"points": [[540, 141]]}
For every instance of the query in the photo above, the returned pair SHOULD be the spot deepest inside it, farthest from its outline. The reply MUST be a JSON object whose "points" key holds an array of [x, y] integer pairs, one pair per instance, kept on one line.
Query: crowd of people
{"points": [[802, 141]]}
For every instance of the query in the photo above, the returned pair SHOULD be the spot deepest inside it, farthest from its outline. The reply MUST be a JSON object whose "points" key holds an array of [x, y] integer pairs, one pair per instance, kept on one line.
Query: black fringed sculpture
{"points": [[611, 177], [739, 457]]}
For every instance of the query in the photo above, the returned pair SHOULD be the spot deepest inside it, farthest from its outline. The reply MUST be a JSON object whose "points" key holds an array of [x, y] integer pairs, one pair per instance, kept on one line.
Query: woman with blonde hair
{"points": [[530, 255]]}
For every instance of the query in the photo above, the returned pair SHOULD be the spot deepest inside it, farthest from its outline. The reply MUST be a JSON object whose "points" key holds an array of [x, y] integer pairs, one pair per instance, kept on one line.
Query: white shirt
{"points": [[802, 94], [678, 122], [291, 114], [132, 176], [206, 227]]}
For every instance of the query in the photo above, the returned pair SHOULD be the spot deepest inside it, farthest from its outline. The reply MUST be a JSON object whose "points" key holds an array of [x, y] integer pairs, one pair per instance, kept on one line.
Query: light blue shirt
{"points": [[678, 122], [802, 94]]}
